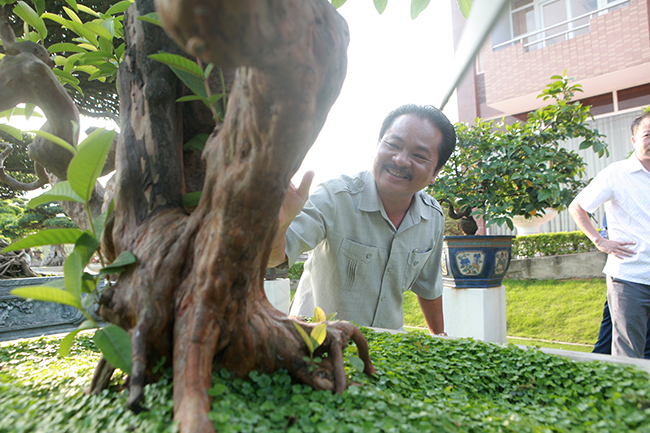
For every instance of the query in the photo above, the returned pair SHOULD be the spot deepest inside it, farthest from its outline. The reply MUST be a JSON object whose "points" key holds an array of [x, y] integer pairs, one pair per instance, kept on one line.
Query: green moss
{"points": [[422, 384]]}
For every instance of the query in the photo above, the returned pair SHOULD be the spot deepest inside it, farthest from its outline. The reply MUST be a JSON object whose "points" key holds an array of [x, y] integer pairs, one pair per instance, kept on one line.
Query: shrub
{"points": [[551, 244], [295, 271]]}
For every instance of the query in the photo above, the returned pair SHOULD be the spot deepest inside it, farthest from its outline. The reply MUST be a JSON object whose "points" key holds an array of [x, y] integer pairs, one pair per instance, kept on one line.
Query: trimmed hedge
{"points": [[423, 384], [551, 244]]}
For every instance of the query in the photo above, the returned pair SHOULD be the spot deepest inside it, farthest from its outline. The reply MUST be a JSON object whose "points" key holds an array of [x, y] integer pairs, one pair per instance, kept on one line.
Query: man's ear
{"points": [[435, 174]]}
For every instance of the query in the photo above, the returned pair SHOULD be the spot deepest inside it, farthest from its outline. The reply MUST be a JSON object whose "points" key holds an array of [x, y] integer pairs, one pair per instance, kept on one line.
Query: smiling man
{"points": [[374, 236]]}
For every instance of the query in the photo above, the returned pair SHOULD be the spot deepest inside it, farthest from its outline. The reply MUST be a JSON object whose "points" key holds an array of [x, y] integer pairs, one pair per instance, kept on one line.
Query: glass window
{"points": [[634, 97]]}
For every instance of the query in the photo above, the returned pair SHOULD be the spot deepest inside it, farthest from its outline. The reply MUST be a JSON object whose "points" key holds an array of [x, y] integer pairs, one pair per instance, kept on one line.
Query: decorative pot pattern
{"points": [[475, 261]]}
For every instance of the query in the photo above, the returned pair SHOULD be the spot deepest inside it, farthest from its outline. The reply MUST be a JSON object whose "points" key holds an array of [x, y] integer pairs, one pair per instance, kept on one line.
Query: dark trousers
{"points": [[604, 343]]}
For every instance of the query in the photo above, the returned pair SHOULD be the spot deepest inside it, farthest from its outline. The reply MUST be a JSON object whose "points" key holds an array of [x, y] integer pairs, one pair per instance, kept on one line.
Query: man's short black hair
{"points": [[435, 117], [637, 121]]}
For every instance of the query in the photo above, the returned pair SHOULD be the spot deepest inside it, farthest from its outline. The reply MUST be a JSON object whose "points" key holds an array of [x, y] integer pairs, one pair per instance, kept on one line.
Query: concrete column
{"points": [[478, 313], [278, 292]]}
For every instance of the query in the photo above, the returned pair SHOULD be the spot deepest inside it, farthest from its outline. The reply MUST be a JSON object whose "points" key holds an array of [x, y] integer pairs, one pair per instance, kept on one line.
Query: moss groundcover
{"points": [[422, 384]]}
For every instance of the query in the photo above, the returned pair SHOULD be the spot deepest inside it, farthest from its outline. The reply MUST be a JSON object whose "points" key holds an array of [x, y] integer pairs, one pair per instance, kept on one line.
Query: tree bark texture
{"points": [[196, 294]]}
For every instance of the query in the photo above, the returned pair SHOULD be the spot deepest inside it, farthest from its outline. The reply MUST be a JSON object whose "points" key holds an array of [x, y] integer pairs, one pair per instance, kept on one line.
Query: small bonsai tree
{"points": [[499, 171]]}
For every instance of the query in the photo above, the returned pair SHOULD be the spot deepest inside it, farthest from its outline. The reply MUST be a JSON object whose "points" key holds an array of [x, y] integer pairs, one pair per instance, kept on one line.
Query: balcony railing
{"points": [[540, 43]]}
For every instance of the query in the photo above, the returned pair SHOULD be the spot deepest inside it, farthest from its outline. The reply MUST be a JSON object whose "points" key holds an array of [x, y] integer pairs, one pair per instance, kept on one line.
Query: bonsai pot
{"points": [[531, 226], [475, 261]]}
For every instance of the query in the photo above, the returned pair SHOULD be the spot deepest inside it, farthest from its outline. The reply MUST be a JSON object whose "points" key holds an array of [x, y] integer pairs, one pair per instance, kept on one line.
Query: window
{"points": [[541, 23]]}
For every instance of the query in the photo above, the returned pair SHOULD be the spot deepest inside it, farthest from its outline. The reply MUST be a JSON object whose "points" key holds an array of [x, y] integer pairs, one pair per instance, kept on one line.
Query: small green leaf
{"points": [[72, 271], [319, 333], [380, 5], [54, 139], [87, 164], [191, 199], [73, 4], [47, 294], [86, 245], [87, 10], [178, 62], [115, 344], [338, 3], [46, 237], [465, 7], [125, 258], [190, 98], [100, 222], [331, 316], [66, 343], [197, 142], [319, 315], [14, 132], [29, 15], [417, 6], [60, 192], [151, 18], [120, 7], [357, 363], [305, 337], [98, 30]]}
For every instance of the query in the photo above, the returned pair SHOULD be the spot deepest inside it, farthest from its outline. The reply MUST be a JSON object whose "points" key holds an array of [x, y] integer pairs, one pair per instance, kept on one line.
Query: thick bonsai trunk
{"points": [[196, 295]]}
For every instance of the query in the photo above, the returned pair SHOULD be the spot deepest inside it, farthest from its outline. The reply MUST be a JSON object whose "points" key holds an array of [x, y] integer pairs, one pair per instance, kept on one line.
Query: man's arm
{"points": [[432, 312], [293, 203], [617, 248]]}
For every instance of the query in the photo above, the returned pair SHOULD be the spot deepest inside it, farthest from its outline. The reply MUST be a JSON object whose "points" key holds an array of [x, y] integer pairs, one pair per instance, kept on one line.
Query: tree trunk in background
{"points": [[196, 295], [56, 256]]}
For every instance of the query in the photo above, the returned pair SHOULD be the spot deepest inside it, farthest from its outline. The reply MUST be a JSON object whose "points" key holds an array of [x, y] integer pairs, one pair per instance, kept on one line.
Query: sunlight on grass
{"points": [[556, 310]]}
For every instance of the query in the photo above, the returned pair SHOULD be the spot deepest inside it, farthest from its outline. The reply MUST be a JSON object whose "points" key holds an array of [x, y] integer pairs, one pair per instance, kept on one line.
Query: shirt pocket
{"points": [[414, 265], [355, 260]]}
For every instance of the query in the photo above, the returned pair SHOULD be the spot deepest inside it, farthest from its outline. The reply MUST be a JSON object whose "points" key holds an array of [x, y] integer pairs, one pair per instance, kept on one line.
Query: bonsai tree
{"points": [[499, 171]]}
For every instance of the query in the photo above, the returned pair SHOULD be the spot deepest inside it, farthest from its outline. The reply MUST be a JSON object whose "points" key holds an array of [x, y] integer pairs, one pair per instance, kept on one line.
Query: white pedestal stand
{"points": [[278, 292], [479, 313]]}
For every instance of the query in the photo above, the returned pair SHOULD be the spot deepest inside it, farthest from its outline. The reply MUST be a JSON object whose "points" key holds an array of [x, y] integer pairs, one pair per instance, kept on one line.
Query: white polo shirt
{"points": [[624, 188]]}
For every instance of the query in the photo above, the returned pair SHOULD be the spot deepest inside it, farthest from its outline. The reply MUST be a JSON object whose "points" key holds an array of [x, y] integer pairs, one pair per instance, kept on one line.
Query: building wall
{"points": [[615, 54]]}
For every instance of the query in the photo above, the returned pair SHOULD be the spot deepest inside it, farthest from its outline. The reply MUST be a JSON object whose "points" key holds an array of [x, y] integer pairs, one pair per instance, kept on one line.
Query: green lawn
{"points": [[543, 312]]}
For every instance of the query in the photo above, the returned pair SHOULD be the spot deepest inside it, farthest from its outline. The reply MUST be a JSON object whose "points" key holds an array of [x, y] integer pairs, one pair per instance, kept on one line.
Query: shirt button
{"points": [[390, 268], [416, 263], [369, 255], [359, 183]]}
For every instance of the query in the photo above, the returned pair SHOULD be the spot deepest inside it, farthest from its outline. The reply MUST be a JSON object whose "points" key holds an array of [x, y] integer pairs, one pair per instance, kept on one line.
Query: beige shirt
{"points": [[359, 265], [624, 188]]}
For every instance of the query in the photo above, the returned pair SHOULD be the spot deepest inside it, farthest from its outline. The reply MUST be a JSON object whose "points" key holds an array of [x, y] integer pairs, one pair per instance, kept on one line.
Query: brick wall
{"points": [[617, 40]]}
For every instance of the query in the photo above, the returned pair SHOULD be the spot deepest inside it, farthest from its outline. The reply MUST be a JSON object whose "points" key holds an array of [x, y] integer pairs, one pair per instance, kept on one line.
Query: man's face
{"points": [[406, 157], [641, 142]]}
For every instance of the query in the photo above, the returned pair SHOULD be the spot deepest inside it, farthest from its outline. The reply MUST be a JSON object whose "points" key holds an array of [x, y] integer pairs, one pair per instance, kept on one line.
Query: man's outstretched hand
{"points": [[293, 203], [295, 200]]}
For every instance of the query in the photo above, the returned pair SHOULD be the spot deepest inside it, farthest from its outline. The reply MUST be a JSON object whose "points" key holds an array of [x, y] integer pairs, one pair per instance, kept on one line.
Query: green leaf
{"points": [[319, 333], [14, 132], [151, 18], [125, 258], [119, 7], [197, 142], [73, 16], [47, 294], [60, 192], [544, 194], [380, 5], [30, 16], [86, 246], [191, 199], [98, 30], [417, 6], [72, 271], [87, 10], [100, 222], [330, 316], [305, 337], [357, 363], [29, 111], [178, 62], [191, 98], [73, 4], [46, 237], [54, 139], [319, 315], [87, 164], [465, 6], [338, 3], [66, 343], [115, 344]]}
